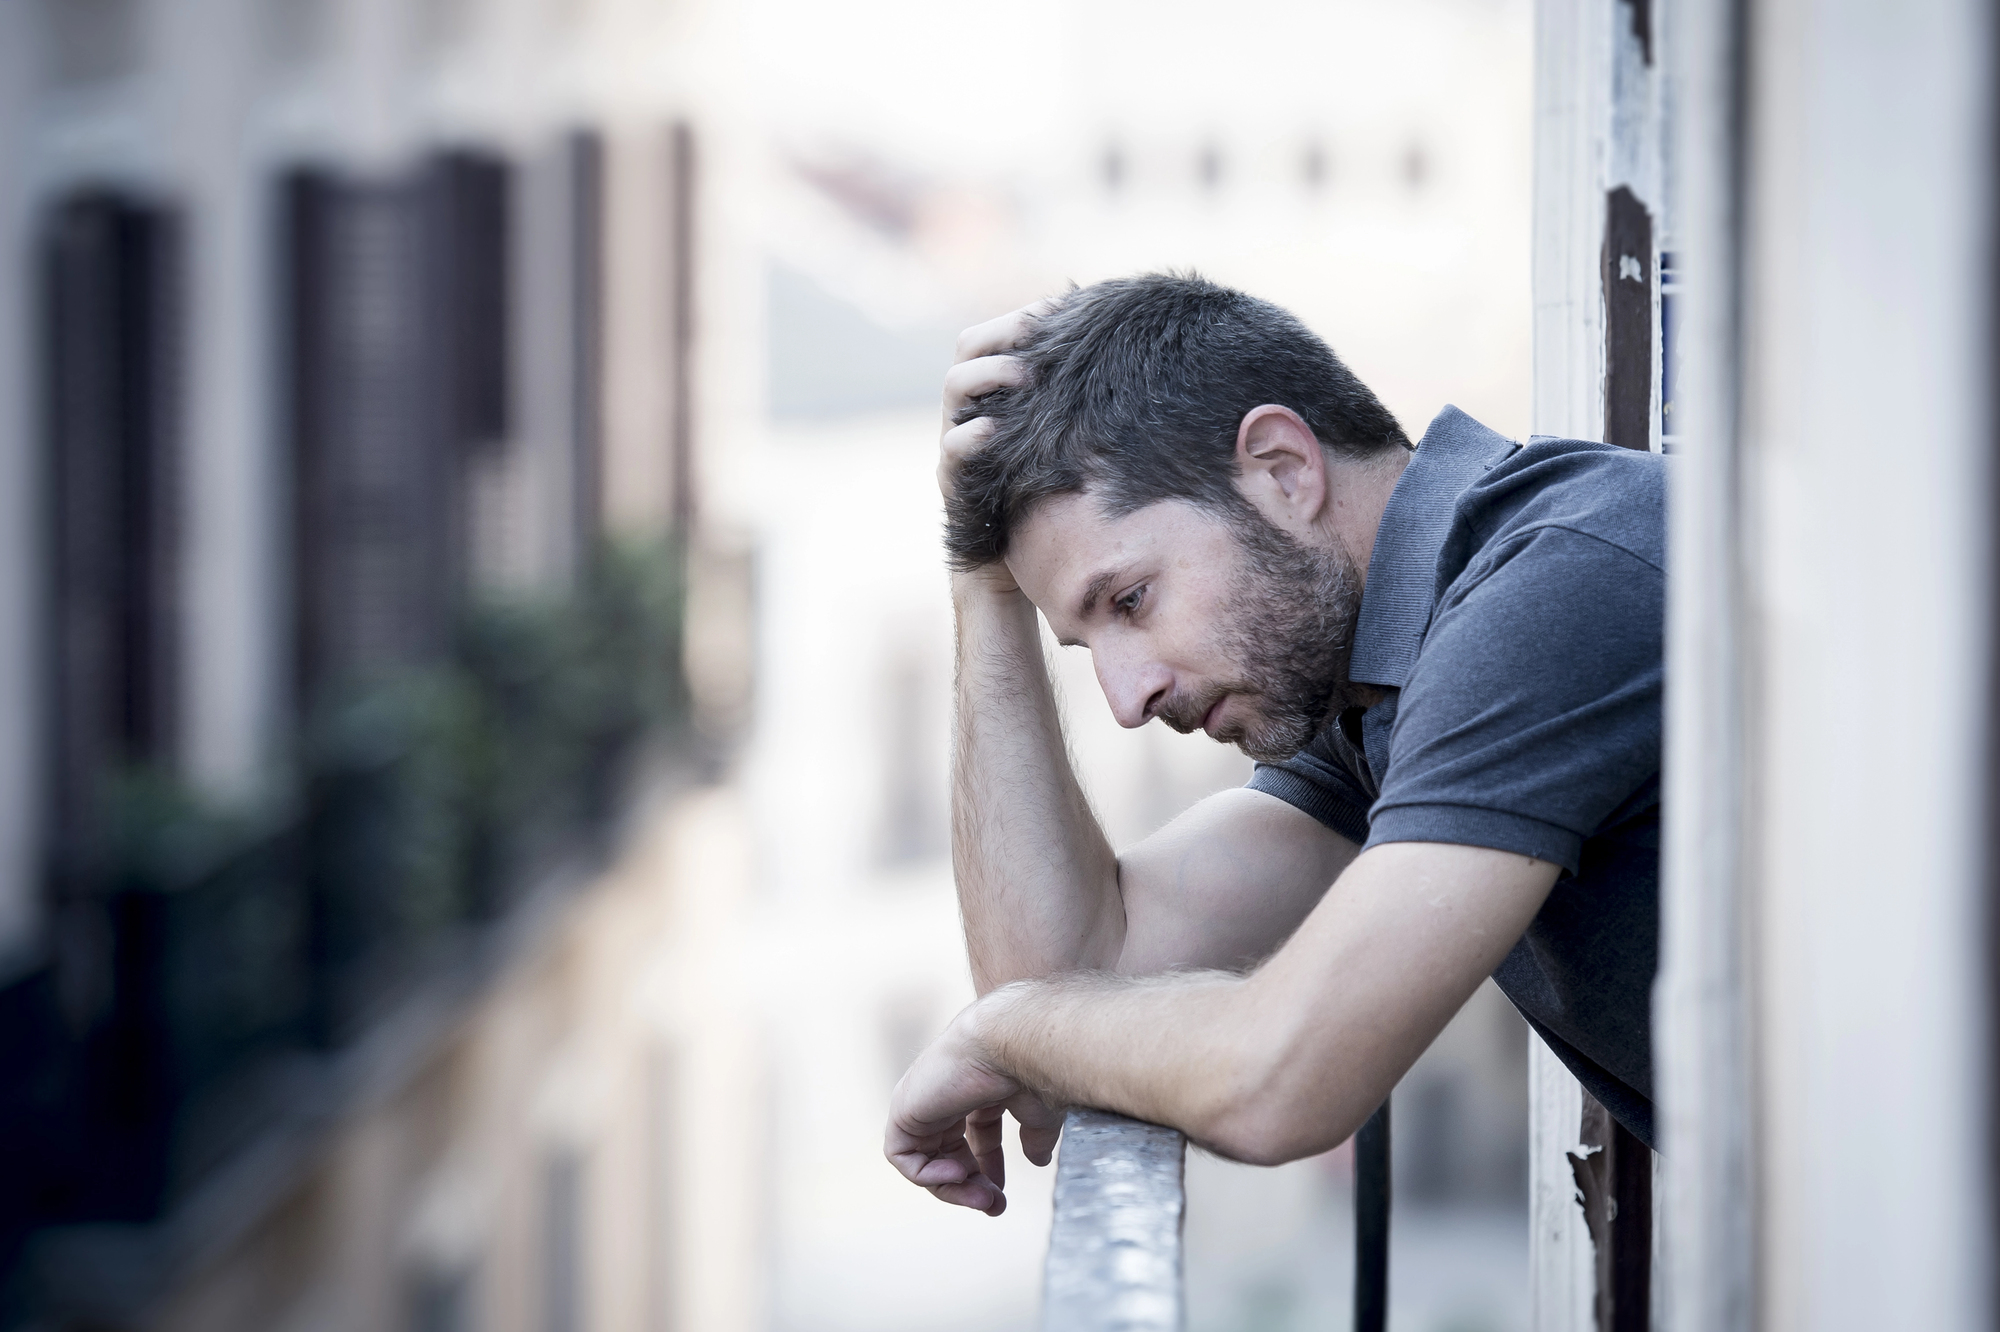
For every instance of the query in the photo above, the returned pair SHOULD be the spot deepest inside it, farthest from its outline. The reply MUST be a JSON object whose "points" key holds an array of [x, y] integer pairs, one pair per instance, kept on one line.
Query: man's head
{"points": [[1167, 485]]}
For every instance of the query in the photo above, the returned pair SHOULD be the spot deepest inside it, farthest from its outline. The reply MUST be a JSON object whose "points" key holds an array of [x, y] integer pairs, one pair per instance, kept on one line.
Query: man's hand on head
{"points": [[947, 1113], [981, 366]]}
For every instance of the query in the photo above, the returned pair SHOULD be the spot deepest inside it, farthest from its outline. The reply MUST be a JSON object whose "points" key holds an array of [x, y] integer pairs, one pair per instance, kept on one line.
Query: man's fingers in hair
{"points": [[971, 380], [997, 335], [959, 443]]}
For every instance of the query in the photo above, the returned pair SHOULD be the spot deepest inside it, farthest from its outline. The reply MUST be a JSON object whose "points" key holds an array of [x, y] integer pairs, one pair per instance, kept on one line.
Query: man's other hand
{"points": [[981, 366], [946, 1117]]}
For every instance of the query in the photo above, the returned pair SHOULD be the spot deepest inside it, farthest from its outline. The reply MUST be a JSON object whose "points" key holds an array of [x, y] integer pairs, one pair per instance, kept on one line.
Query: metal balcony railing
{"points": [[217, 974], [1115, 1248], [1114, 1261]]}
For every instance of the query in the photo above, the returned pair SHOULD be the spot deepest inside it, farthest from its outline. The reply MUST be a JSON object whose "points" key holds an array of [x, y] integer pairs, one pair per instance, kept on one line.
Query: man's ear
{"points": [[1280, 467]]}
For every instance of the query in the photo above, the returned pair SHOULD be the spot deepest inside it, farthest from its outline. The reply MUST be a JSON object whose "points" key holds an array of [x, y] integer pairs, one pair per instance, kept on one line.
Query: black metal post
{"points": [[1631, 1232], [1371, 1223]]}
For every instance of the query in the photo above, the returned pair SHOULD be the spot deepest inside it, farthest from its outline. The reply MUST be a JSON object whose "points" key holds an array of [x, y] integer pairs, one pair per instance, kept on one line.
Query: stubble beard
{"points": [[1291, 632]]}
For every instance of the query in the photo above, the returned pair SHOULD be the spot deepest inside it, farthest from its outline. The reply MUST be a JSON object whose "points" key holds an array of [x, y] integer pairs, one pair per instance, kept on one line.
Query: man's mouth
{"points": [[1208, 721]]}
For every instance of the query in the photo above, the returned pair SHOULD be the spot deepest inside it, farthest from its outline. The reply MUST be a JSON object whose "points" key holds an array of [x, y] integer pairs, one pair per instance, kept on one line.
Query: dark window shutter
{"points": [[374, 465], [472, 237], [109, 290]]}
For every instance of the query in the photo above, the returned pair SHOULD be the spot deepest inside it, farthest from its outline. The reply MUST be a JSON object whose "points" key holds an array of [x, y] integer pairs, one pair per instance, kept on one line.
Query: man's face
{"points": [[1230, 627]]}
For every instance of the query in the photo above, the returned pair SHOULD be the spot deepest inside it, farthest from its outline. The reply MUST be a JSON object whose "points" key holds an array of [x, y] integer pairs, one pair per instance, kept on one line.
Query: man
{"points": [[1446, 660]]}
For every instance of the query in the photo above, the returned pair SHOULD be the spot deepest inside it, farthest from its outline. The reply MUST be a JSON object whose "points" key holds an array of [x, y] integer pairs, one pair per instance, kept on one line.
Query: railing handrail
{"points": [[1114, 1261], [1115, 1246]]}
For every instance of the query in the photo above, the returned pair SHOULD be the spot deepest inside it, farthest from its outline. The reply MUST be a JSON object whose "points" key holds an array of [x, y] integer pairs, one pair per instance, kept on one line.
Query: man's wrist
{"points": [[992, 614], [979, 1036], [990, 586]]}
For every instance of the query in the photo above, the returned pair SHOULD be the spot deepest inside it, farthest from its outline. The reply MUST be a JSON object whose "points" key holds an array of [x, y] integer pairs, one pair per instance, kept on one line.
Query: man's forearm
{"points": [[1176, 1048], [1262, 1068], [1037, 881], [1291, 1059], [1205, 1052]]}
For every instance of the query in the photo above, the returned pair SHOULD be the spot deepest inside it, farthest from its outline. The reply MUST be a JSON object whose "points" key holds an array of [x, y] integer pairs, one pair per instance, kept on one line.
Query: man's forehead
{"points": [[1068, 536], [1068, 542], [1062, 522]]}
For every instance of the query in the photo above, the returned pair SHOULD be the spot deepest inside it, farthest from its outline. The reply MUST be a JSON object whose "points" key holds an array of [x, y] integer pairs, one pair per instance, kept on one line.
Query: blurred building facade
{"points": [[379, 322], [1392, 215], [347, 350]]}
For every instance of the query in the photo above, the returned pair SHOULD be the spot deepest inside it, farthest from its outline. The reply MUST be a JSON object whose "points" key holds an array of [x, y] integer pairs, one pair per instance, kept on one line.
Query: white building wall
{"points": [[1572, 130], [203, 62], [1867, 439], [1702, 1024], [1596, 128], [1830, 663]]}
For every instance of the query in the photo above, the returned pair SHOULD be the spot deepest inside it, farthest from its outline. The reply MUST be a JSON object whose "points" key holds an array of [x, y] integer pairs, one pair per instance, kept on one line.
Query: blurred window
{"points": [[294, 32], [91, 41], [1208, 167], [563, 1256], [1416, 166], [396, 309], [1111, 166], [374, 511], [444, 25], [831, 358], [1313, 164], [109, 285], [442, 1302], [474, 239], [915, 784], [1431, 1112]]}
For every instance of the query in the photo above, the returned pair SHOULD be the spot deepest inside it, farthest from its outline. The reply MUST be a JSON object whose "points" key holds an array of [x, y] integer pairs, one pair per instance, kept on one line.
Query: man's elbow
{"points": [[1270, 1135], [1274, 1107]]}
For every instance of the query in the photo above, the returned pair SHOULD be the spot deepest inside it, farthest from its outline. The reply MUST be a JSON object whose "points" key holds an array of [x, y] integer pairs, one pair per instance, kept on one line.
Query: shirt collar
{"points": [[1396, 601]]}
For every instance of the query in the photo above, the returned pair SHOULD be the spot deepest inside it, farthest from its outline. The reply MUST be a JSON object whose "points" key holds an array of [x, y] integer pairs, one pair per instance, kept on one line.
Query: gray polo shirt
{"points": [[1514, 612]]}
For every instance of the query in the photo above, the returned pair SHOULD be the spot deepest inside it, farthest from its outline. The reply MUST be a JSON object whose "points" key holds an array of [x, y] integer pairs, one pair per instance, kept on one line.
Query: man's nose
{"points": [[1133, 689]]}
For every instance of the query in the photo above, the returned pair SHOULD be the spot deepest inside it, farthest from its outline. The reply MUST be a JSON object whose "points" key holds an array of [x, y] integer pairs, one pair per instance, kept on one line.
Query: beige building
{"points": [[339, 341]]}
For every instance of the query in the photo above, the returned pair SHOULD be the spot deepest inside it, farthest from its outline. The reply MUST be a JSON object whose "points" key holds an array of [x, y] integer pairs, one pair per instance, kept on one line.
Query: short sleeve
{"points": [[1533, 710], [1315, 780]]}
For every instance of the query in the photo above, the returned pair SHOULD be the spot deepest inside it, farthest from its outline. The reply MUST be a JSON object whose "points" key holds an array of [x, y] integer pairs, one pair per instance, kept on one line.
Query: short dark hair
{"points": [[1135, 390]]}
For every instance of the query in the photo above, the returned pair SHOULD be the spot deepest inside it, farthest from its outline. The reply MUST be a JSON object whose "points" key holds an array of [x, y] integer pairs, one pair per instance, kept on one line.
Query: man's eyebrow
{"points": [[1096, 588]]}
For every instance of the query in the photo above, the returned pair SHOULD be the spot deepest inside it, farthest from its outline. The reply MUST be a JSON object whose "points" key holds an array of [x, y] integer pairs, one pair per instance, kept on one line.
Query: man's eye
{"points": [[1129, 602]]}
